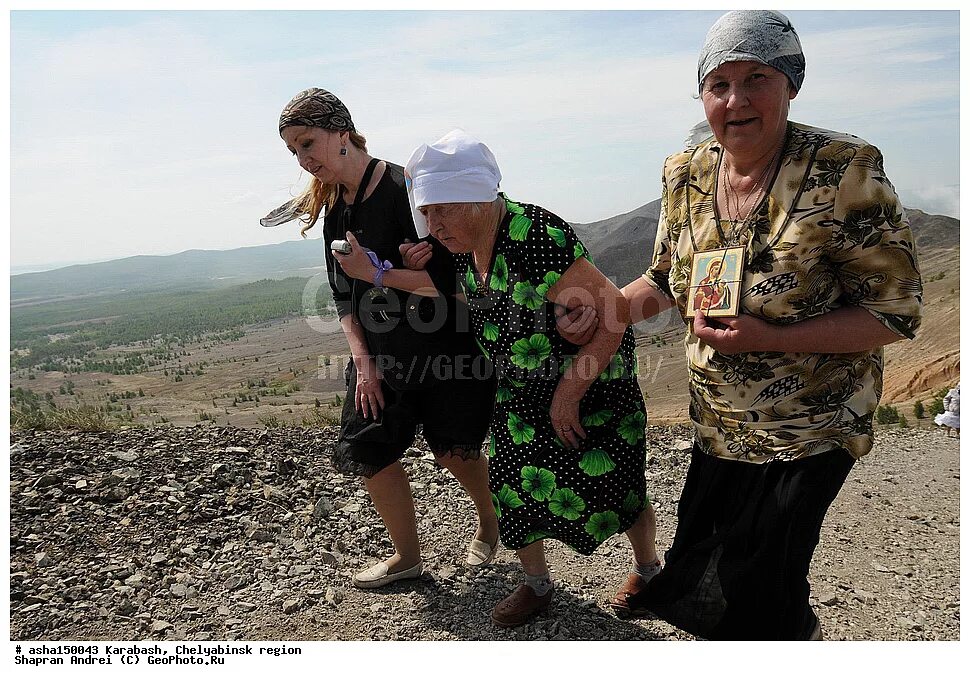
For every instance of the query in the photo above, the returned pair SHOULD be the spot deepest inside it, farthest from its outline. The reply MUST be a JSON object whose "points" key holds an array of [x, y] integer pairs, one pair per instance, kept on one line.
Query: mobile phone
{"points": [[340, 246]]}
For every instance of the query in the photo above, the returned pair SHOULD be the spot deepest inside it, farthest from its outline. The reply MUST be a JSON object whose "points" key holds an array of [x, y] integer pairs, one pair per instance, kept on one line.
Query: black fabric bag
{"points": [[406, 356]]}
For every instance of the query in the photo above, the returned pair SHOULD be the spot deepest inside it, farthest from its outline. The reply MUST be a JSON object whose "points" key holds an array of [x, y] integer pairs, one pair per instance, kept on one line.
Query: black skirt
{"points": [[454, 416], [738, 566]]}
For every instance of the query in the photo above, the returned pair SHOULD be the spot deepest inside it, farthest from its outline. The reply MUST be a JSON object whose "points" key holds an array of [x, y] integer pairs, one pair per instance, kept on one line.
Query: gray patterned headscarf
{"points": [[757, 35], [316, 108]]}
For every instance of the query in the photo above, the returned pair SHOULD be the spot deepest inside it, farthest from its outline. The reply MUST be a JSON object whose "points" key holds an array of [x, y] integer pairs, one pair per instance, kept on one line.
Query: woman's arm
{"points": [[583, 284], [579, 324], [357, 265], [645, 297], [368, 397], [645, 301], [846, 330]]}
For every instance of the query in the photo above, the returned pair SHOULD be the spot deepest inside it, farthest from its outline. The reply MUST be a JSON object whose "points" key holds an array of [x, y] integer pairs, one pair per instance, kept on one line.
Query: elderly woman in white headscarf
{"points": [[567, 448], [784, 388]]}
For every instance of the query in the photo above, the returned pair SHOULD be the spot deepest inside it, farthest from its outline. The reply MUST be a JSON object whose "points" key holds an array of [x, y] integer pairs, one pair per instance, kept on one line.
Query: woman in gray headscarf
{"points": [[783, 387]]}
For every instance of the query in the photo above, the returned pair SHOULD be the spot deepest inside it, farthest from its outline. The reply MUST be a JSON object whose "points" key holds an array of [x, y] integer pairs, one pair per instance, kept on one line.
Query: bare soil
{"points": [[298, 352]]}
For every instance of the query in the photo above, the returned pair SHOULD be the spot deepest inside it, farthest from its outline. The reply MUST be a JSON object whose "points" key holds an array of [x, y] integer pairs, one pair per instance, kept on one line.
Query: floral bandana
{"points": [[316, 108]]}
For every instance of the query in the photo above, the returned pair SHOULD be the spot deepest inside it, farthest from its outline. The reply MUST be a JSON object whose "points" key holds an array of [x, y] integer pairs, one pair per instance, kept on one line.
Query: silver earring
{"points": [[343, 151]]}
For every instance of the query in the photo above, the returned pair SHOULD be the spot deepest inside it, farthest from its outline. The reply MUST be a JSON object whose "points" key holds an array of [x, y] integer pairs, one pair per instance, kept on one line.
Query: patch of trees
{"points": [[55, 337]]}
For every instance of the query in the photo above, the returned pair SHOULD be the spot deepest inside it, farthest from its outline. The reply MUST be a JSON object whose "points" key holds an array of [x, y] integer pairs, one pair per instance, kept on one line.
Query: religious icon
{"points": [[715, 282]]}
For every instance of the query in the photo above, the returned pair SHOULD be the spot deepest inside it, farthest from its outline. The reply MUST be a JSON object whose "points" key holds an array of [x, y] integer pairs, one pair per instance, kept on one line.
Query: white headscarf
{"points": [[455, 169]]}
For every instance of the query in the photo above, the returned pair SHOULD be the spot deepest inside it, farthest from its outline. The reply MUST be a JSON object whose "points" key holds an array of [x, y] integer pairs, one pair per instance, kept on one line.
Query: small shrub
{"points": [[317, 418], [919, 411], [936, 406], [83, 417], [886, 414], [273, 421], [903, 423], [27, 418]]}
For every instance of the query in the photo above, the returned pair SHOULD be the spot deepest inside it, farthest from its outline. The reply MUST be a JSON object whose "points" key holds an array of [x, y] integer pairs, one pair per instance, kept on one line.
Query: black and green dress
{"points": [[540, 488]]}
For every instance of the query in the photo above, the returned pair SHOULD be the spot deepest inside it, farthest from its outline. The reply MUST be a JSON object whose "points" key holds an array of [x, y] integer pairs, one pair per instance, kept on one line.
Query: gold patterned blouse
{"points": [[830, 233]]}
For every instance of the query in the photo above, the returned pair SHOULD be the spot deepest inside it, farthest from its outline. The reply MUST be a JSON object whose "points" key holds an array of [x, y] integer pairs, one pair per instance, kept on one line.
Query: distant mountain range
{"points": [[195, 270], [621, 247]]}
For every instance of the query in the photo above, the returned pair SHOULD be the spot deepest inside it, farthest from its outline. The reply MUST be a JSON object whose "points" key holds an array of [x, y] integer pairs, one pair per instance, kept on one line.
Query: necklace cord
{"points": [[741, 207]]}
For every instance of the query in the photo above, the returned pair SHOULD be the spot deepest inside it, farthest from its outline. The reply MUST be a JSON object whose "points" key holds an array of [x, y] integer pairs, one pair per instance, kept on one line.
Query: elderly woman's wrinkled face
{"points": [[453, 224], [746, 104]]}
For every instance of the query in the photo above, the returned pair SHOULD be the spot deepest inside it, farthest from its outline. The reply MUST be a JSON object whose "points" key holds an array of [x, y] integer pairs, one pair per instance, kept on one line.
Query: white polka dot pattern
{"points": [[540, 488]]}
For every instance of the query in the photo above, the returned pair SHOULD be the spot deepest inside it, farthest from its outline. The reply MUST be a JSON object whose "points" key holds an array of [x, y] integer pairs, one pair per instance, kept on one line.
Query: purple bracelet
{"points": [[382, 267]]}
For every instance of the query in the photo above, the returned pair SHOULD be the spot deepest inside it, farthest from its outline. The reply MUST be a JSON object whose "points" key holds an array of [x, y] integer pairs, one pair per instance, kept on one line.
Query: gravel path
{"points": [[231, 534]]}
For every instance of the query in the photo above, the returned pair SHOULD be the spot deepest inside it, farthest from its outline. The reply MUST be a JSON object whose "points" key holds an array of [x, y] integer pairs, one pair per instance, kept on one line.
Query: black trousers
{"points": [[738, 565]]}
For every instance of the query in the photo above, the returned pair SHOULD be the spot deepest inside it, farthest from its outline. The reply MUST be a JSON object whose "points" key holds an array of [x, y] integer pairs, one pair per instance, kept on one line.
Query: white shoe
{"points": [[480, 553], [377, 575]]}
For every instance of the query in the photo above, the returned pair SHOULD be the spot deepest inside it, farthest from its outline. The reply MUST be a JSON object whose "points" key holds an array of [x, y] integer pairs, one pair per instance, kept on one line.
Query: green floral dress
{"points": [[542, 490]]}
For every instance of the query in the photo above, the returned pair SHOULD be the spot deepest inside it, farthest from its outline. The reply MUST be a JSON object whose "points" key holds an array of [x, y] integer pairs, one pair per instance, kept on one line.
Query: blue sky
{"points": [[155, 132]]}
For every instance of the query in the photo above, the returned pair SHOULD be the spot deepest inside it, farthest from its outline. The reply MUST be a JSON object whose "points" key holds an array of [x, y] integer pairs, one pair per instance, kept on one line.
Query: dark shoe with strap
{"points": [[520, 606], [633, 585], [621, 606]]}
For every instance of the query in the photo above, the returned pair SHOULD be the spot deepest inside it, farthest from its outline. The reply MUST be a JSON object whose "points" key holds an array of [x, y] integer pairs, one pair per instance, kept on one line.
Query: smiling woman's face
{"points": [[746, 104]]}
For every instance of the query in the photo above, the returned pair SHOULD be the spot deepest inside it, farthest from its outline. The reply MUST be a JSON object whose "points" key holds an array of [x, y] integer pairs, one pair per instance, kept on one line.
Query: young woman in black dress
{"points": [[404, 347]]}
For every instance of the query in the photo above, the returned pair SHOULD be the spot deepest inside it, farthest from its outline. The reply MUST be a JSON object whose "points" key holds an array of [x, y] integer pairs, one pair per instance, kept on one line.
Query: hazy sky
{"points": [[155, 132]]}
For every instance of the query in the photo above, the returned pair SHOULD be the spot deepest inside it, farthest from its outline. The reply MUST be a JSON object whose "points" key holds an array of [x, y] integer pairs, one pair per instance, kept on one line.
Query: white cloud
{"points": [[160, 135], [943, 200]]}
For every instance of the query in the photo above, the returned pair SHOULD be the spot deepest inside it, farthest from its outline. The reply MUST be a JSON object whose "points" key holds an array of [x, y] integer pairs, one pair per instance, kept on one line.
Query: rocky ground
{"points": [[230, 534]]}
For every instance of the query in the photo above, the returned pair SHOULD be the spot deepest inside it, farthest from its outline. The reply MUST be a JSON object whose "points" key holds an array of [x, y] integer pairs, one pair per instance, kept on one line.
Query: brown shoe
{"points": [[621, 608], [520, 606]]}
